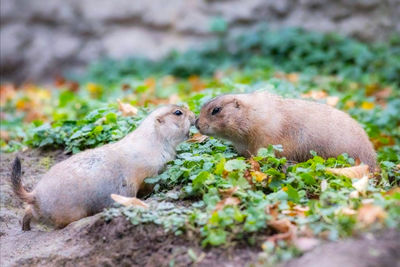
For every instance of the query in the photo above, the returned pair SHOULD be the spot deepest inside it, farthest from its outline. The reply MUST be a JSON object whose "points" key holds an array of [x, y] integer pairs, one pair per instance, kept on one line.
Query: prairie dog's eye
{"points": [[216, 110], [178, 112]]}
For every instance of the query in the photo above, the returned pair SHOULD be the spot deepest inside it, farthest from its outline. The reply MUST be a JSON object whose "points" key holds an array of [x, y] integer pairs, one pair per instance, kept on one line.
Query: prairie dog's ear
{"points": [[160, 119], [237, 103]]}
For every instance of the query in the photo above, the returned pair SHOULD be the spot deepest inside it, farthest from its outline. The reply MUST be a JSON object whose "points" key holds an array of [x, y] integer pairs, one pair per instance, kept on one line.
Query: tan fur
{"points": [[256, 120], [81, 185]]}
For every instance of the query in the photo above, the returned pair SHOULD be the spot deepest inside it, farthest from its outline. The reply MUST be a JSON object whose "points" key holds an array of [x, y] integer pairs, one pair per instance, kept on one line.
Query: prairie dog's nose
{"points": [[196, 123]]}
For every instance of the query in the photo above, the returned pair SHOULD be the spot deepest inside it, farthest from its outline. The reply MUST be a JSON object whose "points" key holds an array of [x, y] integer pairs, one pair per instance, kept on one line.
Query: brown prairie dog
{"points": [[252, 121], [81, 185]]}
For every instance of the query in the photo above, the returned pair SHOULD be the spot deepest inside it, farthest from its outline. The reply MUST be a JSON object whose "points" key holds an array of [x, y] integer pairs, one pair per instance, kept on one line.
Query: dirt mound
{"points": [[94, 241]]}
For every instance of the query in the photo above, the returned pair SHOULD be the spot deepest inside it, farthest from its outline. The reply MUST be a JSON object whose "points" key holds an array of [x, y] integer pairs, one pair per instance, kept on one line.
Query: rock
{"points": [[40, 38]]}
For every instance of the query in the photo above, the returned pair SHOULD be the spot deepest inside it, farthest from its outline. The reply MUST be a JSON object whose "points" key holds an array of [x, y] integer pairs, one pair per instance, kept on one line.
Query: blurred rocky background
{"points": [[40, 39]]}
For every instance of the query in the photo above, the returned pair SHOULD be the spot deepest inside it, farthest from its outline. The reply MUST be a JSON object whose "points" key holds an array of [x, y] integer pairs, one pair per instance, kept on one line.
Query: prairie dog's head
{"points": [[172, 122], [223, 116]]}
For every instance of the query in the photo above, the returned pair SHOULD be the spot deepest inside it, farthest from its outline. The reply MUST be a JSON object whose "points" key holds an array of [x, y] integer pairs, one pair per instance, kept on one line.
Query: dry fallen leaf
{"points": [[317, 95], [129, 201], [332, 100], [7, 92], [296, 211], [293, 77], [369, 213], [324, 185], [229, 201], [351, 172], [127, 109], [4, 135], [255, 166], [197, 138], [174, 99], [287, 230], [394, 190], [196, 83], [361, 185], [228, 192], [272, 210], [346, 211]]}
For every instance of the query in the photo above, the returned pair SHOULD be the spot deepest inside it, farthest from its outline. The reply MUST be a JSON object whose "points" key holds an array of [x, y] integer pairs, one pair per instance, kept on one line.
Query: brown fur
{"points": [[256, 120], [81, 185]]}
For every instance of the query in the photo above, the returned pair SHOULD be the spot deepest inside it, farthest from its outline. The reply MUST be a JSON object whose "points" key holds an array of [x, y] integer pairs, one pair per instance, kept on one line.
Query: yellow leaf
{"points": [[128, 201], [367, 105], [259, 176], [351, 172], [21, 104], [127, 109], [94, 89]]}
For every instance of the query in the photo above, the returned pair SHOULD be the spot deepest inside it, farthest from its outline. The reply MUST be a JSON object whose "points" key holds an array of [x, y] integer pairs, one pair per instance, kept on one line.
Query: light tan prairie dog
{"points": [[252, 121], [81, 185]]}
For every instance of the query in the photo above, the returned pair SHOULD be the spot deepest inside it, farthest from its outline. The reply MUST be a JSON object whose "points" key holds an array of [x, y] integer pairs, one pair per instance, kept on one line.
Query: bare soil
{"points": [[93, 241]]}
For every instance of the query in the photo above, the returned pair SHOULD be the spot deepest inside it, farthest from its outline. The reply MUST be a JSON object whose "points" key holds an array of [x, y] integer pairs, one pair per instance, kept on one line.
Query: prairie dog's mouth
{"points": [[204, 129]]}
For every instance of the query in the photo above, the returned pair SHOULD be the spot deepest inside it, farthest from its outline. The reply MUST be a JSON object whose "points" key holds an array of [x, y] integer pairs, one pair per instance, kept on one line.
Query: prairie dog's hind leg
{"points": [[26, 220]]}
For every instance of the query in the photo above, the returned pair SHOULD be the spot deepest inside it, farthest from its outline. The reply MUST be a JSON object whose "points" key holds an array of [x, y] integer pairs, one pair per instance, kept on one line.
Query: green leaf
{"points": [[292, 193], [235, 164]]}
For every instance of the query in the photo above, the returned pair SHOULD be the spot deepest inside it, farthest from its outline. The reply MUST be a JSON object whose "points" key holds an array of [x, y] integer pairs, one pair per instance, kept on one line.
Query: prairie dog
{"points": [[252, 121], [81, 185]]}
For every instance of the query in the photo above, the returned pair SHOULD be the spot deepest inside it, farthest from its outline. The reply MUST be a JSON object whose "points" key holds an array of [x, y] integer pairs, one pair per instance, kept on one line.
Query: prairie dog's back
{"points": [[256, 120], [324, 129]]}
